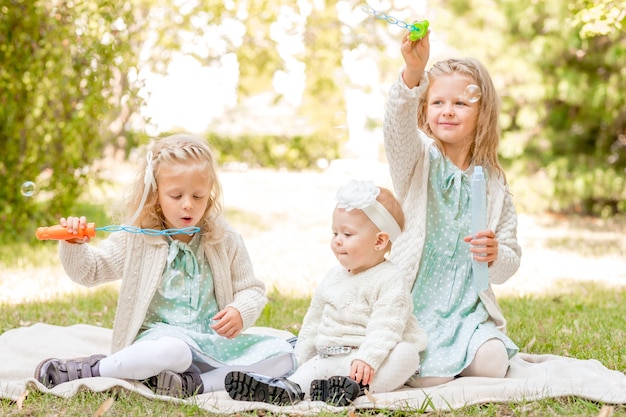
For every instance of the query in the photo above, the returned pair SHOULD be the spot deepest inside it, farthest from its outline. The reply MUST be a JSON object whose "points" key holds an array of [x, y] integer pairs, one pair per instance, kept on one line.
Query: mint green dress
{"points": [[184, 307], [445, 299]]}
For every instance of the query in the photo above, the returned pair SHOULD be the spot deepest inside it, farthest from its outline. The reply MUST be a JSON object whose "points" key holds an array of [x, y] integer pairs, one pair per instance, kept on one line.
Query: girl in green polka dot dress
{"points": [[440, 124], [184, 300]]}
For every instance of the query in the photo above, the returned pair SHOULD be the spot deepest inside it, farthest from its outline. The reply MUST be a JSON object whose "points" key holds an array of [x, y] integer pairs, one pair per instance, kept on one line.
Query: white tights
{"points": [[147, 358], [491, 360]]}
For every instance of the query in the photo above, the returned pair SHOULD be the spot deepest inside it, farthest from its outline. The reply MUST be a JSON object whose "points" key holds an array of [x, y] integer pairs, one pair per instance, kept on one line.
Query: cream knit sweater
{"points": [[139, 260], [407, 151], [371, 310]]}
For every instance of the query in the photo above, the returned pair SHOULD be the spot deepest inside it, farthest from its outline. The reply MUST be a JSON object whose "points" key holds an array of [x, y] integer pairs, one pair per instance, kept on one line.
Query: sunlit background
{"points": [[291, 95], [193, 97]]}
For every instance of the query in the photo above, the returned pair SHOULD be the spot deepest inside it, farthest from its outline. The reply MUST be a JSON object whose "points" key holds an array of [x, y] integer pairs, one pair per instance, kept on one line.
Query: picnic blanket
{"points": [[531, 377]]}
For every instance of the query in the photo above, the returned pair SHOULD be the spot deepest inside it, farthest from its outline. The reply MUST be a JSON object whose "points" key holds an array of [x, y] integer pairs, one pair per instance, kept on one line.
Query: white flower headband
{"points": [[362, 195]]}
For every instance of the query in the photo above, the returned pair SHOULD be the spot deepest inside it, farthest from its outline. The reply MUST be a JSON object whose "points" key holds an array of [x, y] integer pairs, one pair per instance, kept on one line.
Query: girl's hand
{"points": [[73, 225], [361, 372], [229, 323], [484, 246], [416, 55]]}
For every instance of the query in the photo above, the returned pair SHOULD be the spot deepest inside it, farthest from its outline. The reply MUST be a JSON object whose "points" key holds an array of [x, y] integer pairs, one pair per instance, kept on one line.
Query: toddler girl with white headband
{"points": [[359, 331]]}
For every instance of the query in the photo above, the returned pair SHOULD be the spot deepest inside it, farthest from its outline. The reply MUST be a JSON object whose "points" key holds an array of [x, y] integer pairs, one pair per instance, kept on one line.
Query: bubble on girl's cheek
{"points": [[28, 189], [472, 93]]}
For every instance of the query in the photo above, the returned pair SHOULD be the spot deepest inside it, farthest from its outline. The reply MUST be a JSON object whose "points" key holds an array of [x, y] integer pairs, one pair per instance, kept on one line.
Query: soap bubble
{"points": [[472, 93], [172, 284], [28, 189]]}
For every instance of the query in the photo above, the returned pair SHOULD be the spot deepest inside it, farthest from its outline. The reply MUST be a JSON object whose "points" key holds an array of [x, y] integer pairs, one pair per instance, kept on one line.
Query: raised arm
{"points": [[405, 145]]}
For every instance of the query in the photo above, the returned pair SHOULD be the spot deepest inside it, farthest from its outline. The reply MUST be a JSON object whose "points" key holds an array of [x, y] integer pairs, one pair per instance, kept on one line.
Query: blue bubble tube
{"points": [[58, 232], [150, 232]]}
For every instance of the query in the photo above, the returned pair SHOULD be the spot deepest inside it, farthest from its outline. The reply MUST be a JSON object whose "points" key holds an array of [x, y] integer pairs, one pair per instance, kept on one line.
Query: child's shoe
{"points": [[179, 385], [336, 390], [54, 371], [247, 386]]}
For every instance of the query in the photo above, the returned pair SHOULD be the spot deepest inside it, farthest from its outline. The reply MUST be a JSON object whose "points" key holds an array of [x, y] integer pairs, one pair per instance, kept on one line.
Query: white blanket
{"points": [[530, 377]]}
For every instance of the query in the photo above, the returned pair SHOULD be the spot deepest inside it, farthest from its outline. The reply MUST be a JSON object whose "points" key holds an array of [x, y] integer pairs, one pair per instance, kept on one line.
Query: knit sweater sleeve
{"points": [[91, 265], [403, 141], [248, 293], [509, 250]]}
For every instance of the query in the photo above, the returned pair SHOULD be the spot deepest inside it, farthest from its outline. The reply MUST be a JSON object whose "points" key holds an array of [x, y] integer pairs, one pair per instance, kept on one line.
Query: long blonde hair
{"points": [[180, 149], [484, 149]]}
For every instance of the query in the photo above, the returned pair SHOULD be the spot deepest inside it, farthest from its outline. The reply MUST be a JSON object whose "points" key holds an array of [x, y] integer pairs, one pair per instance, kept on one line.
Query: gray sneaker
{"points": [[186, 384]]}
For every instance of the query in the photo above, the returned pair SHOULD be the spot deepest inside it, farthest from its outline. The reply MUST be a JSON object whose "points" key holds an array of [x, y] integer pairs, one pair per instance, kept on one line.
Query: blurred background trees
{"points": [[63, 95], [560, 69], [73, 75]]}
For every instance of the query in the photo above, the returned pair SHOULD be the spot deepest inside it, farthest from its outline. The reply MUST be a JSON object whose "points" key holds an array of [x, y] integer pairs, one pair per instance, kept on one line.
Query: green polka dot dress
{"points": [[184, 306], [445, 299]]}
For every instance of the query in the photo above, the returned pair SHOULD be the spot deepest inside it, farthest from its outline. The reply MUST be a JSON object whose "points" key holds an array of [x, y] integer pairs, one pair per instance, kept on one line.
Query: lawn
{"points": [[584, 321], [577, 318]]}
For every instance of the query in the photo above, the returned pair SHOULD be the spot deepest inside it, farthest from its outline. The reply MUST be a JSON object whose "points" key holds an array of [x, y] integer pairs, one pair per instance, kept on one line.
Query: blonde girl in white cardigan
{"points": [[440, 124], [184, 299]]}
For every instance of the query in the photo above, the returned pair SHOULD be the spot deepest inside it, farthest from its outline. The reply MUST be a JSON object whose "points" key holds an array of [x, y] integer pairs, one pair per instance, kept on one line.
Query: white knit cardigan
{"points": [[407, 150], [371, 310], [139, 260]]}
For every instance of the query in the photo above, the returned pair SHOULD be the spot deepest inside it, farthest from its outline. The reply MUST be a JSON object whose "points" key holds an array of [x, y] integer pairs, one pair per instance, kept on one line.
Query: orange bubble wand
{"points": [[59, 232]]}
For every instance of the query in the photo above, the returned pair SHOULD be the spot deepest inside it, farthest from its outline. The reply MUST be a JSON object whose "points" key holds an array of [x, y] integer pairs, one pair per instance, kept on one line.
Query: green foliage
{"points": [[583, 141], [70, 74], [271, 151], [57, 72], [258, 56], [558, 66], [323, 103]]}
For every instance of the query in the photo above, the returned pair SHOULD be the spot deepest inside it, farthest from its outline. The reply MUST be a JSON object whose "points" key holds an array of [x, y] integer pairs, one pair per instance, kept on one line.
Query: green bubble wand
{"points": [[418, 29]]}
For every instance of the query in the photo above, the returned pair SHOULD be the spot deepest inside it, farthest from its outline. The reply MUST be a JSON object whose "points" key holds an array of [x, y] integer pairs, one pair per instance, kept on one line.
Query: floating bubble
{"points": [[28, 189], [472, 93], [172, 285]]}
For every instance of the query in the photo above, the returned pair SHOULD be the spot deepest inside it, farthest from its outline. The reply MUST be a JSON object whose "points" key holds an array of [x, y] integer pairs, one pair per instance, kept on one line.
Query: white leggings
{"points": [[147, 358], [392, 373], [491, 360]]}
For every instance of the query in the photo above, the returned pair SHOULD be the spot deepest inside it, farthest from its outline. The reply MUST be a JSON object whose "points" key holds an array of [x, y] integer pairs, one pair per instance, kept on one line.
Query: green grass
{"points": [[31, 252], [583, 321]]}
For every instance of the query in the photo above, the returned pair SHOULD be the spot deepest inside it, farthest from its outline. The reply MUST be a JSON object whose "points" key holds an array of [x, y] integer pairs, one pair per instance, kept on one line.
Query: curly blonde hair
{"points": [[484, 149], [187, 152]]}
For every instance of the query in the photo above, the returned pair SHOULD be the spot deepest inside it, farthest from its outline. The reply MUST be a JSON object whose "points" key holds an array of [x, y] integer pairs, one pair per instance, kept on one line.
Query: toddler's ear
{"points": [[382, 240]]}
